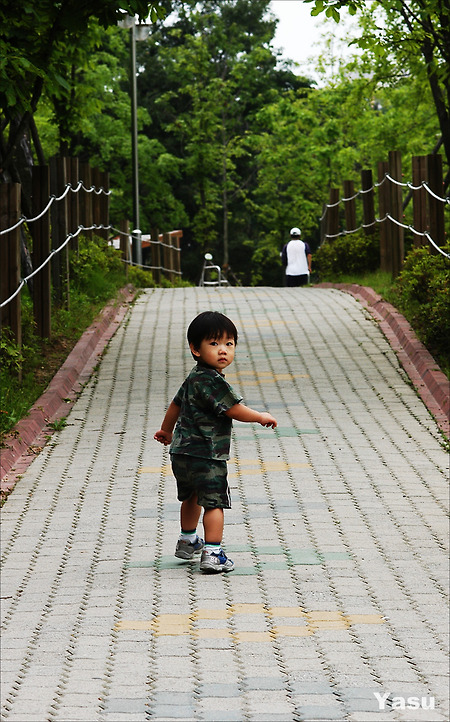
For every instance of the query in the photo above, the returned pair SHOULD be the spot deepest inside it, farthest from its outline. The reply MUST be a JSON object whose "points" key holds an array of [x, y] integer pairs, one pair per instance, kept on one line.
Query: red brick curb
{"points": [[31, 433], [430, 382]]}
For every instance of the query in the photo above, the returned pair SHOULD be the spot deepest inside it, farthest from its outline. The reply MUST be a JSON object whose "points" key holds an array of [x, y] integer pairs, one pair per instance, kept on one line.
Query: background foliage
{"points": [[234, 146], [422, 294]]}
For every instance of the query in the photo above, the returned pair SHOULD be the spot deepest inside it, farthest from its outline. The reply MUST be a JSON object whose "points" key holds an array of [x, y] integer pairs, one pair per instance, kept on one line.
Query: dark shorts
{"points": [[205, 477], [297, 280]]}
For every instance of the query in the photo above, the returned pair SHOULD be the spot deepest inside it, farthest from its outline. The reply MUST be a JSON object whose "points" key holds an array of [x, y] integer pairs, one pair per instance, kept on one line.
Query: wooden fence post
{"points": [[167, 255], [10, 258], [60, 261], [42, 301], [177, 236], [396, 211], [86, 199], [124, 228], [368, 202], [100, 201], [332, 224], [323, 223], [104, 205], [419, 197], [349, 205], [436, 207], [156, 255], [383, 205], [96, 206], [73, 176]]}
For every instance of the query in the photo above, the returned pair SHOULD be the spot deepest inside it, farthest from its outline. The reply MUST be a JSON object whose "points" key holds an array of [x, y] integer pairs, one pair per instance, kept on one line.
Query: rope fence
{"points": [[154, 242], [429, 206], [25, 280], [387, 177], [52, 200], [62, 202]]}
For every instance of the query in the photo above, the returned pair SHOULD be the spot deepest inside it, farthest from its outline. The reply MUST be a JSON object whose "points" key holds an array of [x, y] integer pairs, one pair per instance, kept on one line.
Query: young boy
{"points": [[202, 411]]}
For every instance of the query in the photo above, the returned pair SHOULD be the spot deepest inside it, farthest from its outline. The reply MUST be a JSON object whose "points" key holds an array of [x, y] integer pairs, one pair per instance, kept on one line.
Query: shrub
{"points": [[266, 267], [96, 269], [421, 293], [355, 253], [140, 278], [11, 354]]}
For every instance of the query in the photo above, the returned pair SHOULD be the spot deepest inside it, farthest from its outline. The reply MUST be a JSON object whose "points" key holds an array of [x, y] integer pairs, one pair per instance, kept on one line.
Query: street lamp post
{"points": [[134, 133], [137, 32]]}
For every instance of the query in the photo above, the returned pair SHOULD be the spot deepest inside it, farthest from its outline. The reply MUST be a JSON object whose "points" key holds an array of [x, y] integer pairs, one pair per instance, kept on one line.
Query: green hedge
{"points": [[421, 293], [350, 254]]}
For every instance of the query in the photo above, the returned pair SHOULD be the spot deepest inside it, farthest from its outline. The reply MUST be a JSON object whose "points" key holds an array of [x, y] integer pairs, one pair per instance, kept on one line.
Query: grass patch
{"points": [[380, 281]]}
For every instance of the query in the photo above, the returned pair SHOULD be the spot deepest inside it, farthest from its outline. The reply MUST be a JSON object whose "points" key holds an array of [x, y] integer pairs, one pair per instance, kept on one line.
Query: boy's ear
{"points": [[194, 350]]}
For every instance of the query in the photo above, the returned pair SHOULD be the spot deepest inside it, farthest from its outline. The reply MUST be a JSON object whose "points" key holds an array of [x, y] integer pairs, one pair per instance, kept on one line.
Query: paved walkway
{"points": [[337, 607]]}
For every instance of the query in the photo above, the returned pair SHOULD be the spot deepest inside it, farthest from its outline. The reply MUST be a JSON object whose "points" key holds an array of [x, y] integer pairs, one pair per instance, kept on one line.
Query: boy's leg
{"points": [[213, 526], [190, 513], [215, 497], [213, 558], [188, 543]]}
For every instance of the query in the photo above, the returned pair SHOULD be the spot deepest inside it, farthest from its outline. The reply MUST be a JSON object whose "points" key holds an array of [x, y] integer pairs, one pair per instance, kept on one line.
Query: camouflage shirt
{"points": [[202, 428]]}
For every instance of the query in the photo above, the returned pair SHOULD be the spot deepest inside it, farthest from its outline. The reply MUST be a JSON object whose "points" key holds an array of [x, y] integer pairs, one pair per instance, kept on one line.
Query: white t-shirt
{"points": [[297, 263]]}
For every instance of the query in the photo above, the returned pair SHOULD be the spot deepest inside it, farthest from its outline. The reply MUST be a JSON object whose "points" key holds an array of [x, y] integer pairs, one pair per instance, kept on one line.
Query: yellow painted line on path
{"points": [[190, 624], [164, 470]]}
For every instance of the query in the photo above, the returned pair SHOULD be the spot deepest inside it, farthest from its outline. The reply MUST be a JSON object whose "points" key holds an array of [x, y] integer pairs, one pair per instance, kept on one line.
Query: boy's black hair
{"points": [[210, 324]]}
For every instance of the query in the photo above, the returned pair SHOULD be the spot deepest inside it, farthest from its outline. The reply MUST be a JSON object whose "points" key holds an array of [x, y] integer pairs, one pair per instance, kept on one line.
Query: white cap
{"points": [[295, 232]]}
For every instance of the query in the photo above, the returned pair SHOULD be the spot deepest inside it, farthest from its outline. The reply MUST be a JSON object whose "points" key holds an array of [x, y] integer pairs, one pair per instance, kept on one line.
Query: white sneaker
{"points": [[187, 550], [215, 562]]}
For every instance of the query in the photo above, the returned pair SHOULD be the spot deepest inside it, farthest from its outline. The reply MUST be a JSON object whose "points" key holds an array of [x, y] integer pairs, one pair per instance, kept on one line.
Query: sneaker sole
{"points": [[186, 556], [215, 569]]}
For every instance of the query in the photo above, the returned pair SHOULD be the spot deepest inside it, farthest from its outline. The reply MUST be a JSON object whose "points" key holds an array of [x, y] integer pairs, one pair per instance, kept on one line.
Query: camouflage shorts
{"points": [[205, 477]]}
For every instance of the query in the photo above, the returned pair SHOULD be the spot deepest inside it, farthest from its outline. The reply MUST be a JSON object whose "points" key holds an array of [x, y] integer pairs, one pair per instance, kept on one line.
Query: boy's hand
{"points": [[268, 420], [164, 437]]}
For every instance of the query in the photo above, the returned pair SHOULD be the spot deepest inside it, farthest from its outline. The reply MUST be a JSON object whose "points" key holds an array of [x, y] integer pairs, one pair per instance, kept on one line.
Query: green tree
{"points": [[410, 36], [40, 45], [101, 134], [308, 142], [206, 76]]}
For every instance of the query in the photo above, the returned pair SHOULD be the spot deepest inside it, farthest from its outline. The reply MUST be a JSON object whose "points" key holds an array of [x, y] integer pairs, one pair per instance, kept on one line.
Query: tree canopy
{"points": [[234, 147], [405, 37], [40, 42]]}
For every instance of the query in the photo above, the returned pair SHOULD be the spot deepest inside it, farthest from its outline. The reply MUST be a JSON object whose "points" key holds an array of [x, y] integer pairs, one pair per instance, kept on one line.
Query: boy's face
{"points": [[216, 352]]}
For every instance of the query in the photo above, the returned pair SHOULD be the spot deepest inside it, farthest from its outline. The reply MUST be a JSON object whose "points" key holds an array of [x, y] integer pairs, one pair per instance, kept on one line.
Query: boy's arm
{"points": [[164, 435], [240, 412]]}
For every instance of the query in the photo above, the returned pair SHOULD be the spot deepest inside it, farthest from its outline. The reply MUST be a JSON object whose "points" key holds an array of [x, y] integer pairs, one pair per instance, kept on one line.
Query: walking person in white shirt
{"points": [[296, 257]]}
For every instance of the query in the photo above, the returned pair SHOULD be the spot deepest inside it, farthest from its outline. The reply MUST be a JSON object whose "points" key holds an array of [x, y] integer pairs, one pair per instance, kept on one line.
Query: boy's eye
{"points": [[213, 343], [230, 343]]}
